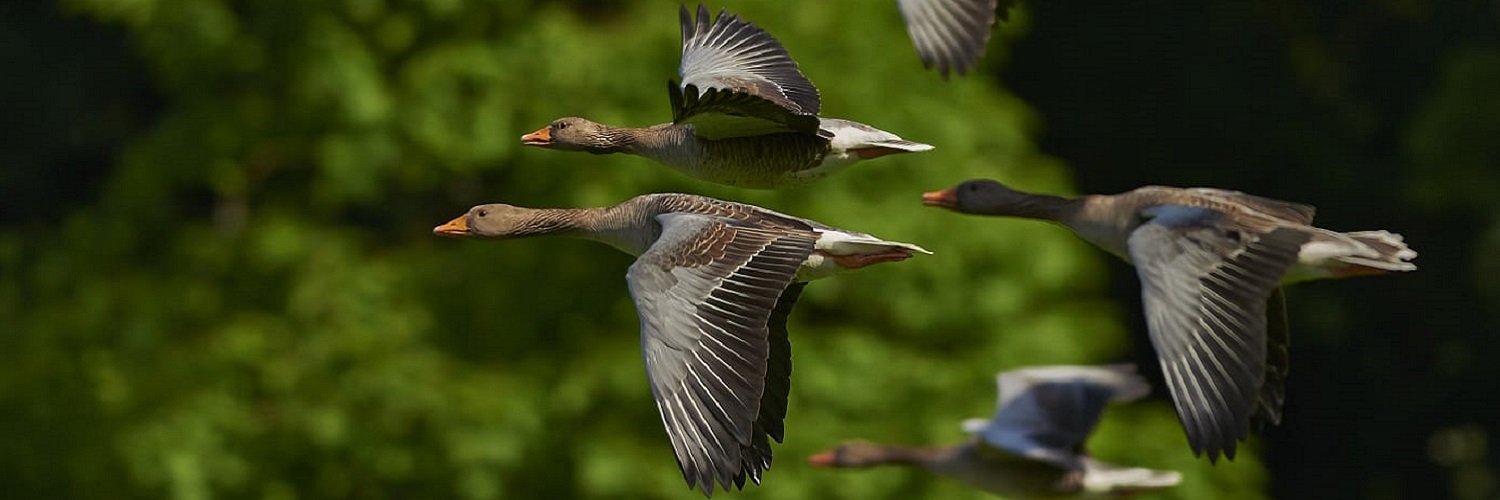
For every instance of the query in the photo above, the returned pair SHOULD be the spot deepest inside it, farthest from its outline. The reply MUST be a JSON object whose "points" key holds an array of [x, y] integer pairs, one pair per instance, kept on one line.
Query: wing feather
{"points": [[1205, 290], [1046, 413], [710, 294], [738, 80], [949, 34]]}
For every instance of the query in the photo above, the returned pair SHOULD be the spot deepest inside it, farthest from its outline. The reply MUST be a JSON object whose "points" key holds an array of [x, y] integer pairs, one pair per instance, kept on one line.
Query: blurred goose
{"points": [[744, 116], [713, 283], [951, 34], [1033, 446], [1211, 263]]}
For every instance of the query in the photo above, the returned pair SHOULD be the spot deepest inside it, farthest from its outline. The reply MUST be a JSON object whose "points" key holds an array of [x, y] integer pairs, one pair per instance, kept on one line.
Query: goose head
{"points": [[574, 134], [493, 221], [988, 197]]}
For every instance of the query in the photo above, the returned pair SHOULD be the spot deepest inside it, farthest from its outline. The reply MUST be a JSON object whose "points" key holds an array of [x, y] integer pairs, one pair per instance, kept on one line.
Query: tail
{"points": [[841, 242], [865, 141], [1103, 477], [1388, 253], [882, 148]]}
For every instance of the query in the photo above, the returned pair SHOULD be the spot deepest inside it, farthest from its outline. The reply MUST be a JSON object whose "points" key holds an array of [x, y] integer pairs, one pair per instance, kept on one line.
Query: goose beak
{"points": [[457, 228], [824, 459], [945, 199], [542, 137]]}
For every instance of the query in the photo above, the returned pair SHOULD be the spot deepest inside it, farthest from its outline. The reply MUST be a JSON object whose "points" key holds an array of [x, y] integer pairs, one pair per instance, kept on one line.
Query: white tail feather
{"points": [[1101, 477]]}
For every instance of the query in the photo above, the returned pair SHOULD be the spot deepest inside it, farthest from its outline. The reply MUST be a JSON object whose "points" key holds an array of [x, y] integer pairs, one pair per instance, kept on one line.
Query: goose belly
{"points": [[1008, 476], [759, 162]]}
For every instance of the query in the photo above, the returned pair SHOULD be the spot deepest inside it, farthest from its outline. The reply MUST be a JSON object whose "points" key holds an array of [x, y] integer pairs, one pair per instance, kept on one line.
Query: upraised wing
{"points": [[950, 34], [737, 80]]}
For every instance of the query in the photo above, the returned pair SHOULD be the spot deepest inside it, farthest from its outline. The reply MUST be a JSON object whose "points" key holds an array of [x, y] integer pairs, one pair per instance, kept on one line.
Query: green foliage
{"points": [[253, 305]]}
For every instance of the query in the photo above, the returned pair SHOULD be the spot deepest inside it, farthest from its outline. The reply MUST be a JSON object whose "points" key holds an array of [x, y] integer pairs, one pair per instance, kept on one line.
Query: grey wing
{"points": [[737, 80], [949, 34], [1204, 288], [705, 293], [1047, 413], [769, 424], [1278, 363]]}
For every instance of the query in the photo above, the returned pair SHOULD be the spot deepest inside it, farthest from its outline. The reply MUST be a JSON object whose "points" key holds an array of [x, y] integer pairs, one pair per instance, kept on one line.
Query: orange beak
{"points": [[542, 137], [945, 199], [824, 459], [457, 228]]}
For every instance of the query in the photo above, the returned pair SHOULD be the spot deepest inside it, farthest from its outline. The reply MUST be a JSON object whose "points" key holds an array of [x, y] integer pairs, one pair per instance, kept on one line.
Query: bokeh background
{"points": [[217, 278]]}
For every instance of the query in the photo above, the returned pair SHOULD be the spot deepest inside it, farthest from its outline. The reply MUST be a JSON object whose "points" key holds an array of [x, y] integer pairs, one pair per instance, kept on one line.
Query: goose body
{"points": [[744, 115], [713, 282], [1032, 446], [1211, 263]]}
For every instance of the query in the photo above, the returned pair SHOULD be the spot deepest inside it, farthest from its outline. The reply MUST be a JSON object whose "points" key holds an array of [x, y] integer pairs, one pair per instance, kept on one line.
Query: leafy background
{"points": [[217, 278]]}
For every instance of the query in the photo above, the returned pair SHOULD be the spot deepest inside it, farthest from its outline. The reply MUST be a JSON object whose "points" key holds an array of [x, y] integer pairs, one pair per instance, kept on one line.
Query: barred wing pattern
{"points": [[705, 293], [737, 80], [1205, 288]]}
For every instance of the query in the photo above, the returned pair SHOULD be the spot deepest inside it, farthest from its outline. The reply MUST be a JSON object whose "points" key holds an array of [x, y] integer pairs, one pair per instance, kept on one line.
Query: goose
{"points": [[950, 35], [1033, 446], [713, 283], [744, 115], [1211, 264]]}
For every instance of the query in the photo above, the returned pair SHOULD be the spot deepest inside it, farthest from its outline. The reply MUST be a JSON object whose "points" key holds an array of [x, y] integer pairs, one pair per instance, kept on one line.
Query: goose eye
{"points": [[484, 213], [560, 125]]}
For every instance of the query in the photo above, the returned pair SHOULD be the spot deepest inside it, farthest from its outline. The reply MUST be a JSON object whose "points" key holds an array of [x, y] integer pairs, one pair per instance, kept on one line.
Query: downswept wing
{"points": [[950, 34], [773, 400], [737, 80], [1278, 364], [1205, 288], [705, 292]]}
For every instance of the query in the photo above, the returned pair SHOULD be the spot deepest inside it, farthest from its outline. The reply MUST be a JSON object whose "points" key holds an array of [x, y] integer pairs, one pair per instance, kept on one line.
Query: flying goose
{"points": [[744, 115], [1034, 445], [713, 283], [1211, 264]]}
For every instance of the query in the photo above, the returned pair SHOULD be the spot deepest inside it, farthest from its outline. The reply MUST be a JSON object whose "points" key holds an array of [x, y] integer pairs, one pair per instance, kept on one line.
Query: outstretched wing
{"points": [[1205, 287], [706, 292], [737, 80]]}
